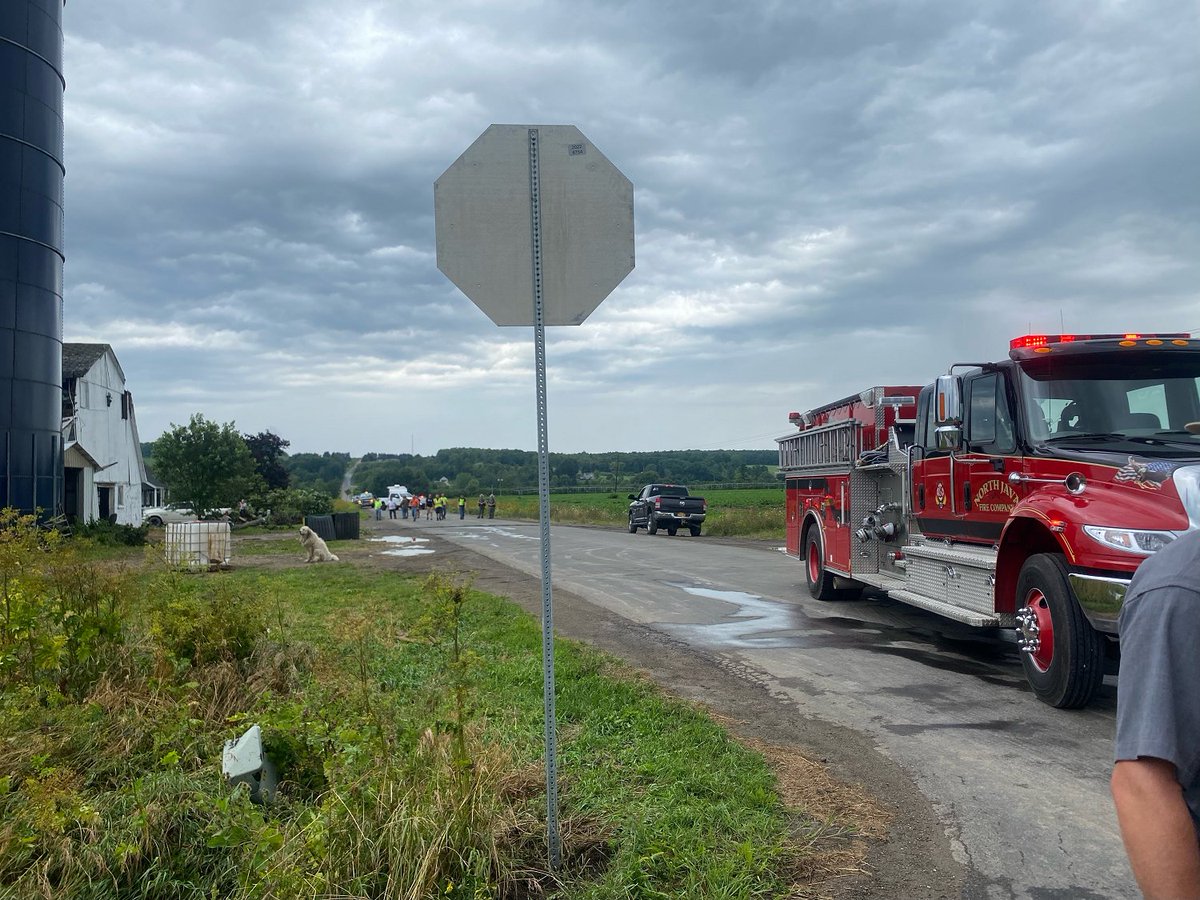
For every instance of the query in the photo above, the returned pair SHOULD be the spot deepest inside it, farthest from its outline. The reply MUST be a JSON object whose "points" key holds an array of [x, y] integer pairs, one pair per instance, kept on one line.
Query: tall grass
{"points": [[405, 718]]}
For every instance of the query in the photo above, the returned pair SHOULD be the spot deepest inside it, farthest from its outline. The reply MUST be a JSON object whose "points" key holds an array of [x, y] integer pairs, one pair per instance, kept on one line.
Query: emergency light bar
{"points": [[1042, 342]]}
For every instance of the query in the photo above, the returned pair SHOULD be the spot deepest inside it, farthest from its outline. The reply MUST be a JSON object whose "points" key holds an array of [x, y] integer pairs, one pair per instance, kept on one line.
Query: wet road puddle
{"points": [[762, 623], [404, 546], [755, 622], [489, 532]]}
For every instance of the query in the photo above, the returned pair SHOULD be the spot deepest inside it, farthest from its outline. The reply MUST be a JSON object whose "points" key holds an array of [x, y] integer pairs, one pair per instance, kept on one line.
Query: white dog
{"points": [[317, 550]]}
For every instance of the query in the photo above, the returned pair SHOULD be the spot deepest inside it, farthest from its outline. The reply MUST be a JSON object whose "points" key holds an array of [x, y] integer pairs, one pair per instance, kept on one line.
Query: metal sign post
{"points": [[567, 247], [539, 354]]}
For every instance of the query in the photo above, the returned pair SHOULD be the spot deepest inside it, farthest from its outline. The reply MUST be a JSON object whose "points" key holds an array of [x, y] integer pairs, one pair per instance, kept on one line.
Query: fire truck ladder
{"points": [[831, 448]]}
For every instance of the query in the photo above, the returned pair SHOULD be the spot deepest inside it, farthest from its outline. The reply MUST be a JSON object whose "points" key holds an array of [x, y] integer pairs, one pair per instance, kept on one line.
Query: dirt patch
{"points": [[869, 830]]}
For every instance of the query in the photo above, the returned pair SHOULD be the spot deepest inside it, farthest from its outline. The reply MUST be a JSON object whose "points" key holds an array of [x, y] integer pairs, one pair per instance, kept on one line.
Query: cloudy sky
{"points": [[828, 195]]}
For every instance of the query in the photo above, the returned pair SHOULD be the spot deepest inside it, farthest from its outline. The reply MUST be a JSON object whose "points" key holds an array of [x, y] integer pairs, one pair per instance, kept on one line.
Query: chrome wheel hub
{"points": [[1030, 640]]}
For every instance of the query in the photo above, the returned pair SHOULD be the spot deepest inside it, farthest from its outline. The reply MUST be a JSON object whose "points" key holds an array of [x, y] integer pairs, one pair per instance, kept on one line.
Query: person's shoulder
{"points": [[1165, 589], [1176, 565]]}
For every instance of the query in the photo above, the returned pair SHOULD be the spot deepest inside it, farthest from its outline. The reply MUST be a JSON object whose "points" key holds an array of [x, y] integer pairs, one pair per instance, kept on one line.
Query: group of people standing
{"points": [[432, 505]]}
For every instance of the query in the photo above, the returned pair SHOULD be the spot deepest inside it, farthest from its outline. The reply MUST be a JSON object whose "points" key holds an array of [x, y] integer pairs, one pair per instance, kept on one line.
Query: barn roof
{"points": [[78, 358]]}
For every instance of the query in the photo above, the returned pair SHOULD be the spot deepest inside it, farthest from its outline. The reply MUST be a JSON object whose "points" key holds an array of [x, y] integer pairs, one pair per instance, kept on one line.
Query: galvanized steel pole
{"points": [[539, 349]]}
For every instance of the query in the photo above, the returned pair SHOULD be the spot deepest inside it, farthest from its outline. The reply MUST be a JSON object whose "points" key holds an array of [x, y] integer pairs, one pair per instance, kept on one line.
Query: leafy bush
{"points": [[60, 616], [60, 841], [109, 534], [291, 505], [204, 621]]}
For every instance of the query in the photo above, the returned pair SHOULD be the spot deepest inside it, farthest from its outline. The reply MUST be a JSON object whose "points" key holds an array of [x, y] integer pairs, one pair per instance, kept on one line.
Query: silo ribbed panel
{"points": [[31, 253]]}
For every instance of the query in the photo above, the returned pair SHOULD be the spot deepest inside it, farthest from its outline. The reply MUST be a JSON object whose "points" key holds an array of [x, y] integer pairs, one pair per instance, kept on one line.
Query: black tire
{"points": [[1066, 666], [695, 530], [632, 525], [155, 521], [651, 524], [820, 582], [671, 529]]}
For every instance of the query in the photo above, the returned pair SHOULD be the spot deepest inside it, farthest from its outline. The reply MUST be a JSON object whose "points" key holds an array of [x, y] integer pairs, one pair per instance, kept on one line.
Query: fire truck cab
{"points": [[1018, 494]]}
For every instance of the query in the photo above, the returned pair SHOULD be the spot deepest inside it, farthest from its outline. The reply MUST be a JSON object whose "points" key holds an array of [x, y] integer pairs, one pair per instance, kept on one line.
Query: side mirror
{"points": [[949, 437], [633, 496], [947, 400]]}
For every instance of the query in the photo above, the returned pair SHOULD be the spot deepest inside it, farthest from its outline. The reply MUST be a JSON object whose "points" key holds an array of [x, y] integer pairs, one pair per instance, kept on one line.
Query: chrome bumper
{"points": [[1100, 597]]}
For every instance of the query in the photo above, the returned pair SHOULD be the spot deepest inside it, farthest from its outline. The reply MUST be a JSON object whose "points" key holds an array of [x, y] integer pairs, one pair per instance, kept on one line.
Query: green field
{"points": [[756, 513]]}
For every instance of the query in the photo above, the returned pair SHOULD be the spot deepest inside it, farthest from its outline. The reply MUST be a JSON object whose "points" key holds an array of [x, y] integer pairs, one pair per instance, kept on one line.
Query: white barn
{"points": [[103, 472]]}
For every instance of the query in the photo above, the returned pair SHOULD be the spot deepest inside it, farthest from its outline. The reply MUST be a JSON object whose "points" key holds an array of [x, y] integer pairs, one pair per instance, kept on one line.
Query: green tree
{"points": [[268, 452], [206, 465]]}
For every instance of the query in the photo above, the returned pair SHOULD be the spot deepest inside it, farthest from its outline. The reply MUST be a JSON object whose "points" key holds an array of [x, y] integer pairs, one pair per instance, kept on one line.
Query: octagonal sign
{"points": [[511, 187]]}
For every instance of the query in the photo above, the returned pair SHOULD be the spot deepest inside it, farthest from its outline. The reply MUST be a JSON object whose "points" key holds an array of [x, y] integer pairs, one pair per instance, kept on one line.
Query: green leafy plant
{"points": [[110, 534], [203, 621], [290, 505], [443, 626], [60, 615]]}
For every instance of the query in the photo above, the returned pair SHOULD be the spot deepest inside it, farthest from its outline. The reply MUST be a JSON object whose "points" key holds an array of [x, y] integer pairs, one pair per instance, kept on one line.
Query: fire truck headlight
{"points": [[1141, 542]]}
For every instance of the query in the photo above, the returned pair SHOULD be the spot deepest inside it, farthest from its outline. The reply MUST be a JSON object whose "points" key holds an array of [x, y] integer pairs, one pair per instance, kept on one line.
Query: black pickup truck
{"points": [[666, 506]]}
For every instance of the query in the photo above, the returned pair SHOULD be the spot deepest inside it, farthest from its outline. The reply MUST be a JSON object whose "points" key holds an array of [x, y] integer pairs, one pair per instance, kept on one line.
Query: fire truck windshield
{"points": [[1102, 400]]}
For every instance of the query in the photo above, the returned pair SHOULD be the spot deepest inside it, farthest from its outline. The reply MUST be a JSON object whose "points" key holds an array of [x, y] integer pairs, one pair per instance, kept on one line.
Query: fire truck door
{"points": [[983, 497], [837, 525], [792, 495], [931, 487]]}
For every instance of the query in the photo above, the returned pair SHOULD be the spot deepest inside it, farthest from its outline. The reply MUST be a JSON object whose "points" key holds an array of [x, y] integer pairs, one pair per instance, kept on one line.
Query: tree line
{"points": [[470, 470], [207, 466]]}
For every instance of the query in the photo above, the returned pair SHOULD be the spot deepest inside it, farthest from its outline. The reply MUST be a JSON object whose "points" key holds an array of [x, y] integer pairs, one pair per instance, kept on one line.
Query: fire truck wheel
{"points": [[632, 526], [1064, 656], [651, 524], [820, 582]]}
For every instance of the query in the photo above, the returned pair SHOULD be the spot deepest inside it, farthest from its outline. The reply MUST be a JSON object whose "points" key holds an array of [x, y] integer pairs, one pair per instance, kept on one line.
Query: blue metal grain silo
{"points": [[31, 254]]}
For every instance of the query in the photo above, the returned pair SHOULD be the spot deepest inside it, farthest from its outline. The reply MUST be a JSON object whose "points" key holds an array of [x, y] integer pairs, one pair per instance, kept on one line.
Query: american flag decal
{"points": [[1147, 474]]}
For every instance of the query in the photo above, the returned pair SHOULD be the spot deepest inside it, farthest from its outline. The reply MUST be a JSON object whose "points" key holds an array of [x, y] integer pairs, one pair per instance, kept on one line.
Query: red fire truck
{"points": [[1017, 494]]}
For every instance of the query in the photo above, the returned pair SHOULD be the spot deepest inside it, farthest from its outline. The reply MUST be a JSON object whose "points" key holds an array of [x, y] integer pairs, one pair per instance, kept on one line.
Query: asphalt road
{"points": [[1020, 789]]}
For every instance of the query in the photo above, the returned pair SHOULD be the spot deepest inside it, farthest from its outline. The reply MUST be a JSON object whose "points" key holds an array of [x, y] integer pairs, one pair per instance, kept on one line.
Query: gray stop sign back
{"points": [[482, 215]]}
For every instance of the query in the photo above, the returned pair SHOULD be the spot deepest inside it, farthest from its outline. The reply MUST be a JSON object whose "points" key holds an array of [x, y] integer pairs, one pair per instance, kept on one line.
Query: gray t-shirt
{"points": [[1158, 689]]}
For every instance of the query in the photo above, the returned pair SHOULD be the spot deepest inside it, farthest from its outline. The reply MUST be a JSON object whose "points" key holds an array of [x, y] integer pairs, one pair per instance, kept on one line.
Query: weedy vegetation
{"points": [[405, 717]]}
